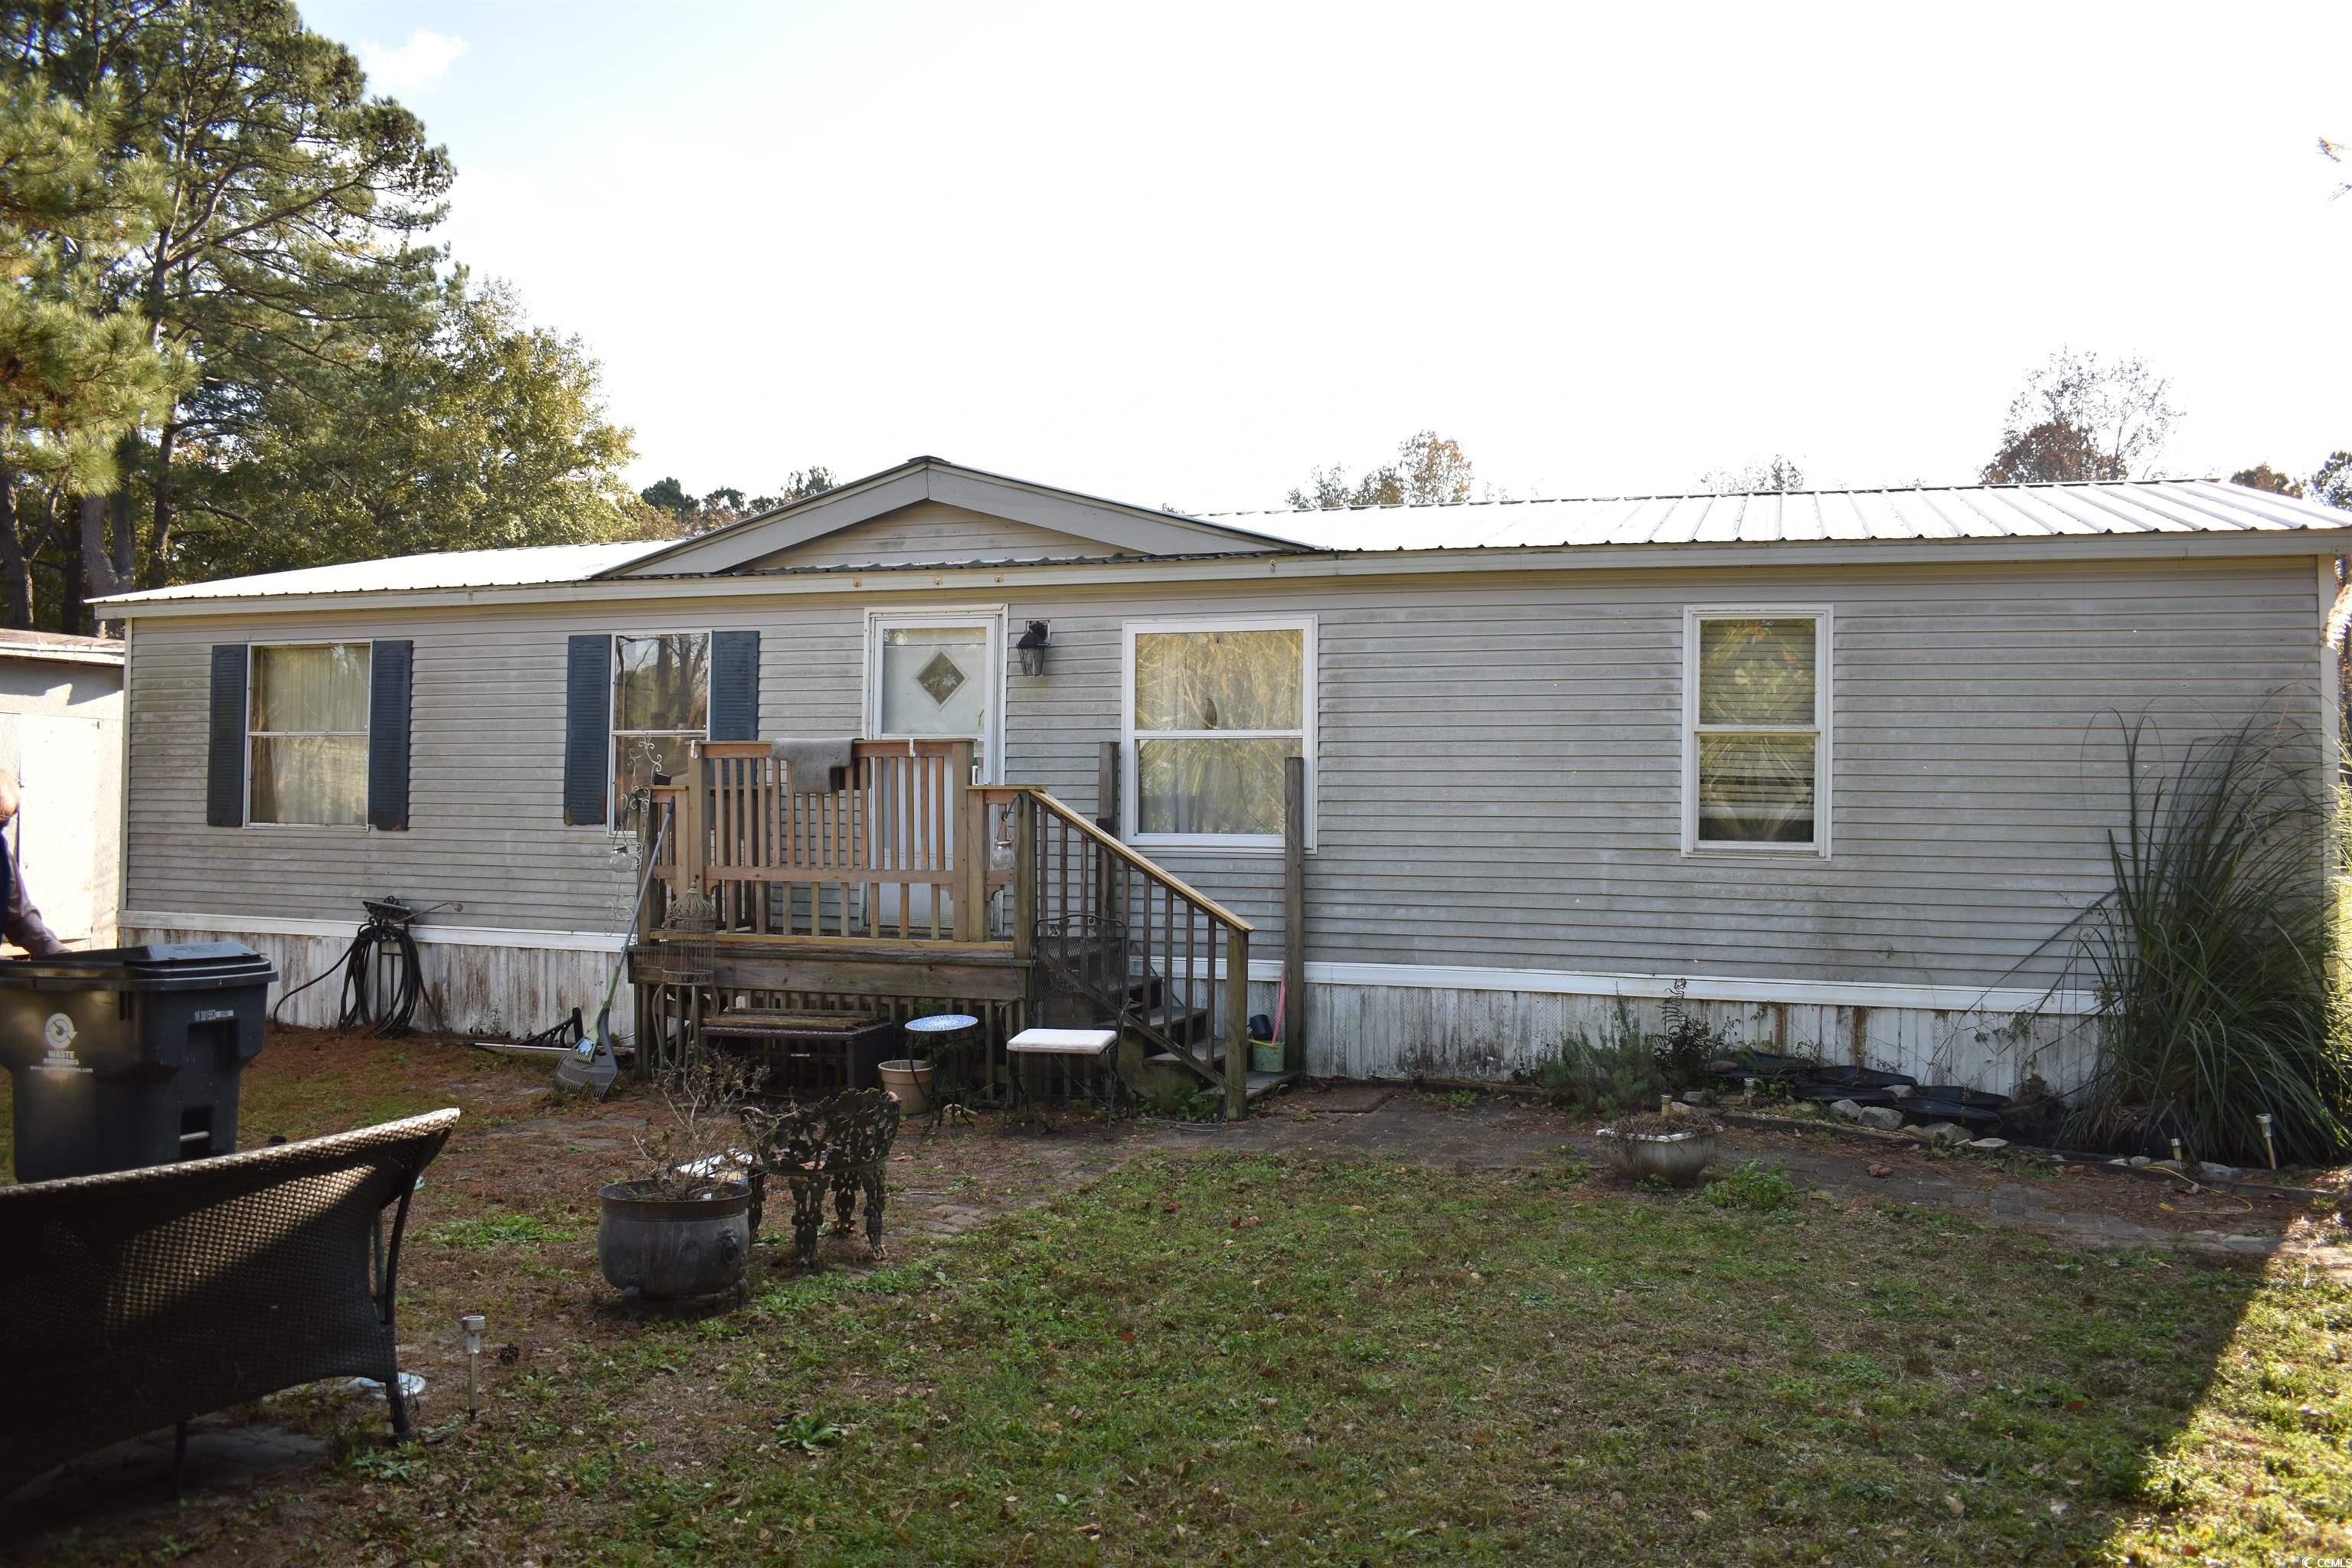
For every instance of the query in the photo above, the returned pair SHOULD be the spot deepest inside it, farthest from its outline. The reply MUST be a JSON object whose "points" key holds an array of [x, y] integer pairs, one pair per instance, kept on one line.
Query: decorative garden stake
{"points": [[472, 1323], [2269, 1148]]}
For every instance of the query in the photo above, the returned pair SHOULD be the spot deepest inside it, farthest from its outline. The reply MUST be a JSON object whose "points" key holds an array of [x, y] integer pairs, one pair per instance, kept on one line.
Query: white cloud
{"points": [[416, 63]]}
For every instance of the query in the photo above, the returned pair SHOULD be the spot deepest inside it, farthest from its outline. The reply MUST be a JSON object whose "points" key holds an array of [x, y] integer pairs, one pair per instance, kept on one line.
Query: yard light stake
{"points": [[2269, 1148], [2176, 1153], [472, 1323]]}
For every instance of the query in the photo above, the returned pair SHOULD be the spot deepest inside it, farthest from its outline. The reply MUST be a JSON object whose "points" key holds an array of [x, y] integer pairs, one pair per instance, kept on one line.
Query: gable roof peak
{"points": [[1133, 530]]}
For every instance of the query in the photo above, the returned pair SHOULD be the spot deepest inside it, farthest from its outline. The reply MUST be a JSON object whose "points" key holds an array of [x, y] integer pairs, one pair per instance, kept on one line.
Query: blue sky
{"points": [[1183, 255]]}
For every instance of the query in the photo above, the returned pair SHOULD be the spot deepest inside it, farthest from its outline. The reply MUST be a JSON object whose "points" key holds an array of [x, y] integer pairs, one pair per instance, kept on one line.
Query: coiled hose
{"points": [[381, 1011]]}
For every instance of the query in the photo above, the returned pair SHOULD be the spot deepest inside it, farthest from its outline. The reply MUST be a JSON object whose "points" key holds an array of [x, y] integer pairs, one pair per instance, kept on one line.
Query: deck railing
{"points": [[904, 850], [874, 853]]}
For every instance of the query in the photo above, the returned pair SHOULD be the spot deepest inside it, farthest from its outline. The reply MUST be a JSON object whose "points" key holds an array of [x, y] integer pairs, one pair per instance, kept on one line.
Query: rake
{"points": [[592, 1065]]}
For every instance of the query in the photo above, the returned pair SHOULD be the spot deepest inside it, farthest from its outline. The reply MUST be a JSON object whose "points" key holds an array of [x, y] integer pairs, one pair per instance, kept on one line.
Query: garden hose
{"points": [[384, 941]]}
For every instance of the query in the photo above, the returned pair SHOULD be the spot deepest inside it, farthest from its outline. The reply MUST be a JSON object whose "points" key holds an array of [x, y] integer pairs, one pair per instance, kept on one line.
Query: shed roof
{"points": [[58, 647]]}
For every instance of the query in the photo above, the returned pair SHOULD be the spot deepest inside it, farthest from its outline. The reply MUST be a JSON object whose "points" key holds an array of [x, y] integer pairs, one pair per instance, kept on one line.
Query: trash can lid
{"points": [[159, 966]]}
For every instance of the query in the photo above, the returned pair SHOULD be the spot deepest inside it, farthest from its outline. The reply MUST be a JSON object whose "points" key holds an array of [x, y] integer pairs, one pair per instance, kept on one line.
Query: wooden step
{"points": [[1259, 1084], [1177, 1024]]}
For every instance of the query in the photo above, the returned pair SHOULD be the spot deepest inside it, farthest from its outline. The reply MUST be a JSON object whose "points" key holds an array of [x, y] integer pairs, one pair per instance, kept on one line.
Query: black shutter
{"points": [[734, 686], [391, 676], [587, 729], [225, 769]]}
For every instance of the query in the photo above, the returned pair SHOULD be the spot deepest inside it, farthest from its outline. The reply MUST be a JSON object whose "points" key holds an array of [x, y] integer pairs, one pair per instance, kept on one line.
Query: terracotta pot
{"points": [[673, 1249]]}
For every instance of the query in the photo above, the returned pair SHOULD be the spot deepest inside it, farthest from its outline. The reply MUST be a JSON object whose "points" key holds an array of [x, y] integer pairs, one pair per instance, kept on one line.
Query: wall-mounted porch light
{"points": [[1033, 646]]}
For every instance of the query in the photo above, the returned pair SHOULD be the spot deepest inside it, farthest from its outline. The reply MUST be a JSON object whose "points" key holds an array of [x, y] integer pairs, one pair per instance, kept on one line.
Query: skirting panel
{"points": [[1401, 1031], [1353, 1030], [477, 989]]}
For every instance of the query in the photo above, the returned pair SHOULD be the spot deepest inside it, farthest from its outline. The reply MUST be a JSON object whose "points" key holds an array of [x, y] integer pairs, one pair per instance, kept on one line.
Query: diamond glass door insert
{"points": [[942, 678]]}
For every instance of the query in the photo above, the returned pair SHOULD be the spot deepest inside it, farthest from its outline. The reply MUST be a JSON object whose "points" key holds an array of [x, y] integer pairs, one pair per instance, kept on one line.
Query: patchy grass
{"points": [[1218, 1357], [492, 1231], [1221, 1358]]}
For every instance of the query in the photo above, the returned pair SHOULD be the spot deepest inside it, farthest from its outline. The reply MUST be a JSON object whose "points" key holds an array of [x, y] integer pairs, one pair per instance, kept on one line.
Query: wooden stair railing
{"points": [[1169, 963]]}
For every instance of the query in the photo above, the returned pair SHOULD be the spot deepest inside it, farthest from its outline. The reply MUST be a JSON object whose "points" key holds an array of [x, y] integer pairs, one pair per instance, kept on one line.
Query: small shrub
{"points": [[1681, 1055], [1614, 1073], [1753, 1187]]}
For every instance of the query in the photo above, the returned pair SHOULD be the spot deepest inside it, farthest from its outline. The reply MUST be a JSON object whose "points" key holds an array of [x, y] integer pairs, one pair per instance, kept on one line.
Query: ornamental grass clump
{"points": [[2212, 959]]}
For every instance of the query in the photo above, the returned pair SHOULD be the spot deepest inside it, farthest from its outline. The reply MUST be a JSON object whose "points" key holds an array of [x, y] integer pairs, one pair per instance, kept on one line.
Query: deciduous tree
{"points": [[490, 431], [1430, 469], [1780, 474], [2083, 417]]}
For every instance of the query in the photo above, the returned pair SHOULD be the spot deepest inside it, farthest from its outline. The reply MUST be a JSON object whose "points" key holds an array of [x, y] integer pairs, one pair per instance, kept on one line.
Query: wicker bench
{"points": [[139, 1300]]}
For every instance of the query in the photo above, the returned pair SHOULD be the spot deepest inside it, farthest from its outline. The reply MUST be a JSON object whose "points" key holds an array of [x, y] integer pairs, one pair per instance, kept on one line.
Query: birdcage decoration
{"points": [[688, 940]]}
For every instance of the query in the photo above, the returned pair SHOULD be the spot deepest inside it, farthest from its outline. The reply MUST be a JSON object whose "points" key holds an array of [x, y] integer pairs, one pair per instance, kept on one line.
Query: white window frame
{"points": [[366, 733], [613, 730], [1824, 708], [1310, 628], [989, 617]]}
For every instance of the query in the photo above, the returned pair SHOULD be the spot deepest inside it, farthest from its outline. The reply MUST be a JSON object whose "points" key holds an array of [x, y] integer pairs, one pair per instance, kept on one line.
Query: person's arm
{"points": [[22, 923]]}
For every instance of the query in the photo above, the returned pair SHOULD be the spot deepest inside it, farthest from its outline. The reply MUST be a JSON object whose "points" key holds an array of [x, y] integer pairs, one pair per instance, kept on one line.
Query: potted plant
{"points": [[1674, 1150], [684, 1228]]}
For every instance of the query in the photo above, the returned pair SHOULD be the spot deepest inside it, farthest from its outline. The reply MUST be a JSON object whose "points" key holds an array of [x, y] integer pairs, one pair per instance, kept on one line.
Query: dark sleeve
{"points": [[23, 923]]}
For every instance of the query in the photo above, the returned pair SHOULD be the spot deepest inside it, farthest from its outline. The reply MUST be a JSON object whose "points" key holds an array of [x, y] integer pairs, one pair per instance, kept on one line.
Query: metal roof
{"points": [[1955, 512], [443, 569], [2122, 510], [58, 647]]}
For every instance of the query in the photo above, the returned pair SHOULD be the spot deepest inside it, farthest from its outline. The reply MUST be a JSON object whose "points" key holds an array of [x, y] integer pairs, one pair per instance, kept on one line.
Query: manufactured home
{"points": [[1842, 763]]}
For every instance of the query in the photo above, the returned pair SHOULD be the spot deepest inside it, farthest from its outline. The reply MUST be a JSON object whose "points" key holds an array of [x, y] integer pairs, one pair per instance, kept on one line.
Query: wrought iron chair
{"points": [[840, 1147]]}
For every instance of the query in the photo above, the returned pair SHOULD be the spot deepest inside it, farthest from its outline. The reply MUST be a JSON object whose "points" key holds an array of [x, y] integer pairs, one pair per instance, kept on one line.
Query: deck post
{"points": [[1024, 875], [1237, 1046], [971, 866], [1293, 1022], [692, 830], [1107, 788]]}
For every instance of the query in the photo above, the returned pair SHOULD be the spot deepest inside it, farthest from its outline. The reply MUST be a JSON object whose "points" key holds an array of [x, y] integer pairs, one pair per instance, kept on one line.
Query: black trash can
{"points": [[129, 1055]]}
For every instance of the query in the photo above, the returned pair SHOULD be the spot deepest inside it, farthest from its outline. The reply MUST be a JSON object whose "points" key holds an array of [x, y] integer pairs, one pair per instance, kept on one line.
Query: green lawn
{"points": [[1221, 1360]]}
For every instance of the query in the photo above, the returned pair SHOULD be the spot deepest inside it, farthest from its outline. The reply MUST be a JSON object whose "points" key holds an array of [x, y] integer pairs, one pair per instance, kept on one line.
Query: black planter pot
{"points": [[673, 1249]]}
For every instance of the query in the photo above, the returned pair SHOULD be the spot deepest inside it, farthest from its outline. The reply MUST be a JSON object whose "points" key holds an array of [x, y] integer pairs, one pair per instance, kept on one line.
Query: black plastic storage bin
{"points": [[128, 1056]]}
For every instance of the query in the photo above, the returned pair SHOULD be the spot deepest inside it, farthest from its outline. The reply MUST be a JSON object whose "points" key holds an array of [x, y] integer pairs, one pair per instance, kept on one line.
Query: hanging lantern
{"points": [[1033, 644]]}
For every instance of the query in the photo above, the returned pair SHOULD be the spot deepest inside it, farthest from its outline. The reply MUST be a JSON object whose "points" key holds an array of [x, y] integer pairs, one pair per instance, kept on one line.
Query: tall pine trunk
{"points": [[16, 564], [126, 537], [97, 563], [73, 615], [159, 533]]}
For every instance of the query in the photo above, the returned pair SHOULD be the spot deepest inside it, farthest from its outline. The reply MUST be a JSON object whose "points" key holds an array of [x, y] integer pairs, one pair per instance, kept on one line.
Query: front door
{"points": [[932, 677], [938, 678]]}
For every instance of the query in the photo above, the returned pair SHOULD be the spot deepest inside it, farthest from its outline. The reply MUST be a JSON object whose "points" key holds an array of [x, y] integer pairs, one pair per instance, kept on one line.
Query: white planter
{"points": [[1677, 1159]]}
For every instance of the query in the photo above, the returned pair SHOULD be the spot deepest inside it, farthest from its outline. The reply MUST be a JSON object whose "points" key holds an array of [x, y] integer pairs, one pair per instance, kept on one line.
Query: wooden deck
{"points": [[904, 888]]}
